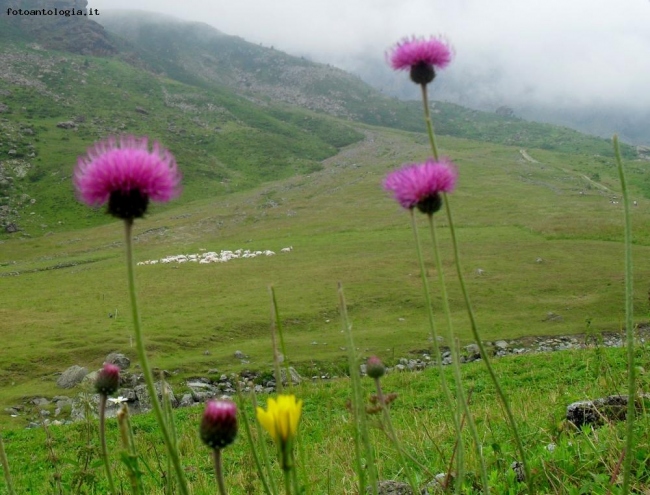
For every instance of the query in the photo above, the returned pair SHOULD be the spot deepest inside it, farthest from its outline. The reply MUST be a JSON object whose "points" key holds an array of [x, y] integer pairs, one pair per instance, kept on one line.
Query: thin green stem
{"points": [[360, 424], [218, 471], [144, 362], [629, 328], [275, 315], [433, 334], [429, 123], [468, 304], [265, 454], [456, 362], [393, 437], [249, 436], [287, 481], [128, 443], [5, 468], [102, 438]]}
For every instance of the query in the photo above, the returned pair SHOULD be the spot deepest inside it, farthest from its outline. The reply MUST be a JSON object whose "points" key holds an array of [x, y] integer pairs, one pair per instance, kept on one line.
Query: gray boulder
{"points": [[72, 376], [598, 411], [144, 399], [118, 359]]}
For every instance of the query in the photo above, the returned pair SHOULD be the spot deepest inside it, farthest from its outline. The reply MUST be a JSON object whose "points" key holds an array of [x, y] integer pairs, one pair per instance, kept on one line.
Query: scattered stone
{"points": [[598, 411], [118, 359], [10, 228], [240, 355], [71, 377], [518, 468], [295, 377], [550, 316], [141, 110], [67, 125], [501, 345], [144, 399]]}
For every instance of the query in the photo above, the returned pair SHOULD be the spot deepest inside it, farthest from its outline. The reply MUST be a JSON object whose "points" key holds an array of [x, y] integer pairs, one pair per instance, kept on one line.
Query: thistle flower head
{"points": [[281, 418], [420, 56], [375, 368], [219, 424], [126, 174], [420, 184], [108, 379]]}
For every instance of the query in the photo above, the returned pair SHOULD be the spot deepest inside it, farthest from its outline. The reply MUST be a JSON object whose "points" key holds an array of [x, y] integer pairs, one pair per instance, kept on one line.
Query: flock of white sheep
{"points": [[205, 257]]}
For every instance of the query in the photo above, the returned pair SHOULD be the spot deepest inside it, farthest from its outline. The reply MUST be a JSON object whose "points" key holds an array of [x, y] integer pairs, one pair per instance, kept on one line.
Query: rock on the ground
{"points": [[144, 398], [71, 377], [118, 359], [596, 412]]}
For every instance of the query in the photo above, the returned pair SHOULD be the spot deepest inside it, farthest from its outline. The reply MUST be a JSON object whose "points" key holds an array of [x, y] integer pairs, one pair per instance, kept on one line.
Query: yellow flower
{"points": [[281, 417]]}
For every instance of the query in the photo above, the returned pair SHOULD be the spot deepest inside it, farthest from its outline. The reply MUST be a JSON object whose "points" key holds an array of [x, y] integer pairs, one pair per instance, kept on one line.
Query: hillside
{"points": [[236, 114], [197, 53], [540, 238], [53, 105]]}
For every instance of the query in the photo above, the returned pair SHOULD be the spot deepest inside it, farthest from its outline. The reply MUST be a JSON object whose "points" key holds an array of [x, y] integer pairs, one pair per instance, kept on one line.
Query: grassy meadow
{"points": [[563, 460], [546, 236]]}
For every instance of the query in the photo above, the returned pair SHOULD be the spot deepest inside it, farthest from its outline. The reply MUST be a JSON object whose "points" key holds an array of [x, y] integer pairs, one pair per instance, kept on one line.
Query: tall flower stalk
{"points": [[376, 369], [462, 400], [108, 380], [126, 174], [422, 57], [468, 304], [280, 420], [218, 430]]}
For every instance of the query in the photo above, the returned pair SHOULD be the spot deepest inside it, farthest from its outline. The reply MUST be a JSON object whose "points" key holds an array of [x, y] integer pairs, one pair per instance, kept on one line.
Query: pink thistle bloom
{"points": [[420, 184], [108, 379], [421, 56], [219, 424], [126, 174]]}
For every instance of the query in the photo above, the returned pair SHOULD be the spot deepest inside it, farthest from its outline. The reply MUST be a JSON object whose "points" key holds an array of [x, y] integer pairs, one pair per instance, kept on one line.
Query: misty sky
{"points": [[563, 52]]}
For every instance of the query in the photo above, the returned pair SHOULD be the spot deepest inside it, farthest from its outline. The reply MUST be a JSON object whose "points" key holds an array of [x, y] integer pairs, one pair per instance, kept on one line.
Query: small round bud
{"points": [[108, 379], [375, 368], [219, 425]]}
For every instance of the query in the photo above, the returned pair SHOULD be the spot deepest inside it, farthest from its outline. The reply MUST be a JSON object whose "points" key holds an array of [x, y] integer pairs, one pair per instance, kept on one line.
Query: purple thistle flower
{"points": [[374, 367], [219, 424], [126, 174], [420, 184], [108, 379], [420, 56]]}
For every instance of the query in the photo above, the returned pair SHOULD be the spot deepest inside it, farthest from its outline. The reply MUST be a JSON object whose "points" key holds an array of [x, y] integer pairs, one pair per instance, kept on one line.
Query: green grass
{"points": [[541, 386], [343, 227]]}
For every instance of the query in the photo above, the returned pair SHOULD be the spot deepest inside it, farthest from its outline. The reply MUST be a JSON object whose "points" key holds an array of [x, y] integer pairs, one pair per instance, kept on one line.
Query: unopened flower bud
{"points": [[375, 368], [219, 425], [108, 379]]}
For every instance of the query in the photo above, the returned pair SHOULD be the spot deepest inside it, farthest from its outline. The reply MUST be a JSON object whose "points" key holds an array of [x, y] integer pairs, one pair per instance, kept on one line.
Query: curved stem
{"points": [[393, 437], [218, 471], [5, 468], [629, 328], [468, 304], [102, 438], [432, 325], [144, 362], [456, 363]]}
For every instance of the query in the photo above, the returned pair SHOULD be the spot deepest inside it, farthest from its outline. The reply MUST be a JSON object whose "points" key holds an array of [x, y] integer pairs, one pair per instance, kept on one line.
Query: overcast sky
{"points": [[559, 51]]}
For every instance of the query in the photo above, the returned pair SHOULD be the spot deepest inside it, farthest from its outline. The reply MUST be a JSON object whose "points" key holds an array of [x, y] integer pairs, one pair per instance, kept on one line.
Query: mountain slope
{"points": [[54, 105], [190, 51]]}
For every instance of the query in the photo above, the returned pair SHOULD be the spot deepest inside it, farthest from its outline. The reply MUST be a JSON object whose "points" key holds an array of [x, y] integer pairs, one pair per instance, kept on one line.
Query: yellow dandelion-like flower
{"points": [[281, 417]]}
